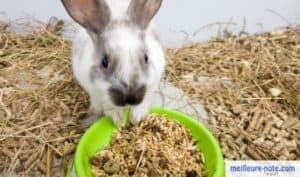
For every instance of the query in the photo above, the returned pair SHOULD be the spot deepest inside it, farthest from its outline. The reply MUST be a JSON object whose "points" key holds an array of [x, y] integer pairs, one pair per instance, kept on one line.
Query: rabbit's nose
{"points": [[131, 96], [135, 96]]}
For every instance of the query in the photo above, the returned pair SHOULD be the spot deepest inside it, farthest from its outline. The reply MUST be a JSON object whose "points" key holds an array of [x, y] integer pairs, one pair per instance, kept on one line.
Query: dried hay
{"points": [[39, 104], [156, 147], [251, 88]]}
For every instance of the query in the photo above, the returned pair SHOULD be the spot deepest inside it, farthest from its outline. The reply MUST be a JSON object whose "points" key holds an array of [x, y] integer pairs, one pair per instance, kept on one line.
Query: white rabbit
{"points": [[117, 57]]}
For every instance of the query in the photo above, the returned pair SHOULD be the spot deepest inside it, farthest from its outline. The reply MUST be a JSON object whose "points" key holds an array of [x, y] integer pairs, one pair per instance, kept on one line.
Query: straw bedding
{"points": [[156, 147], [250, 86], [39, 105]]}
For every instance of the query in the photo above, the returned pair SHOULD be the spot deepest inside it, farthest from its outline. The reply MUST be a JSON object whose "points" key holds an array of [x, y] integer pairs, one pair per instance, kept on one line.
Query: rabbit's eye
{"points": [[146, 58], [105, 61]]}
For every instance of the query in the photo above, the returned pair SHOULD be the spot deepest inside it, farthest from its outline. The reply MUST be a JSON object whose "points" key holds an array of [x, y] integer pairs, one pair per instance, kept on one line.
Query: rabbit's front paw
{"points": [[138, 114], [117, 116]]}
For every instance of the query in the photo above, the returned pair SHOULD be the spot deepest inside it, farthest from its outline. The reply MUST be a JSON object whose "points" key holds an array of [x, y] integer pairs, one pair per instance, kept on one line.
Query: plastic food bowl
{"points": [[100, 134]]}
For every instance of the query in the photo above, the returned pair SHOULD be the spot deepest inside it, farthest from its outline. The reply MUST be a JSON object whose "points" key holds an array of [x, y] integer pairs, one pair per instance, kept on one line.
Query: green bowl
{"points": [[100, 134]]}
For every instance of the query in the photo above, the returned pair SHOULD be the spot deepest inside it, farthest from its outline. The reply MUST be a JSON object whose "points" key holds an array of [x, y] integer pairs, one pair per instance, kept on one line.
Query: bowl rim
{"points": [[205, 141]]}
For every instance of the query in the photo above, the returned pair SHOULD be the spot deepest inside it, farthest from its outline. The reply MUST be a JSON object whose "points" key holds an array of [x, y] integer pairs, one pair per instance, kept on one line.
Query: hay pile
{"points": [[251, 88], [156, 147], [39, 104]]}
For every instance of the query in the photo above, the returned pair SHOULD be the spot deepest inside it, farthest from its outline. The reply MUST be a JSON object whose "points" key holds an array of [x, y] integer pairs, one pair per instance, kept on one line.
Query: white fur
{"points": [[118, 8], [125, 42]]}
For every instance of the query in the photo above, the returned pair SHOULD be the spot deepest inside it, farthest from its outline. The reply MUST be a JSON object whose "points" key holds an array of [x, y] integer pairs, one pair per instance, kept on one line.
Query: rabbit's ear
{"points": [[94, 15], [141, 12]]}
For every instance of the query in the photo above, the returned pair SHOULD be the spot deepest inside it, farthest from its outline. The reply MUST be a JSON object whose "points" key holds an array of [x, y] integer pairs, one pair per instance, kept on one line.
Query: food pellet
{"points": [[156, 147]]}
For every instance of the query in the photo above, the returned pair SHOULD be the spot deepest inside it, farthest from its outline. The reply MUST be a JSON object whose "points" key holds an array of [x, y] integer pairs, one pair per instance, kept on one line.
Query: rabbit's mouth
{"points": [[124, 97]]}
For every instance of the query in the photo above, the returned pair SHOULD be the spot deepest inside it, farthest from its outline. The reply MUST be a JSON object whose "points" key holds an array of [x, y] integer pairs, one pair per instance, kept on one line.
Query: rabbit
{"points": [[117, 56]]}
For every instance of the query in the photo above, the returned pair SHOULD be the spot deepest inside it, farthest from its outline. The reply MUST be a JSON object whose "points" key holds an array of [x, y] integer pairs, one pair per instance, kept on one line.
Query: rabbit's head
{"points": [[124, 53]]}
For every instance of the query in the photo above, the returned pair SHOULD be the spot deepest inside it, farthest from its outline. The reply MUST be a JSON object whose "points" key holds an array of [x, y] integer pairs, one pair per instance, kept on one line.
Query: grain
{"points": [[156, 147]]}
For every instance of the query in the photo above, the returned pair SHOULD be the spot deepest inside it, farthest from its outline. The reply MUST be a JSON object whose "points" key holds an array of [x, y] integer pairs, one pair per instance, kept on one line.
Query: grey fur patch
{"points": [[94, 73], [98, 71]]}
